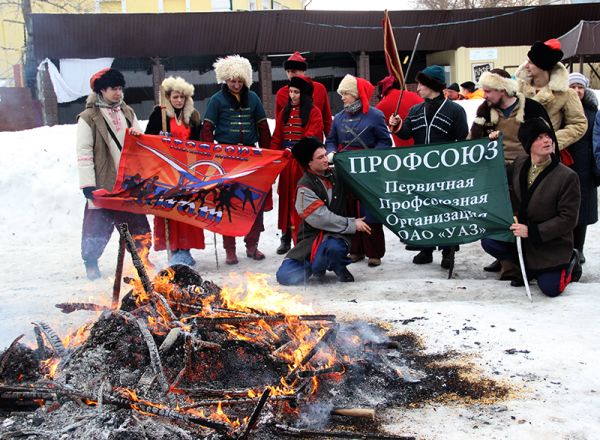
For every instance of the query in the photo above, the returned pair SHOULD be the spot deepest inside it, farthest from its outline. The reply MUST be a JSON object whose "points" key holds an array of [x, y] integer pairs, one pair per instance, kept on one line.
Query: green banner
{"points": [[443, 194]]}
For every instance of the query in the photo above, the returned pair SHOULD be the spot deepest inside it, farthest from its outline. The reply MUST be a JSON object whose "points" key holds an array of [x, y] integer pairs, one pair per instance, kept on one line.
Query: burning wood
{"points": [[179, 343]]}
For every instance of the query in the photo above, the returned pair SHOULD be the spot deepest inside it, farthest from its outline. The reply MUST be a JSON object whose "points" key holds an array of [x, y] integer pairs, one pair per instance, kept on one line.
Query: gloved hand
{"points": [[87, 192]]}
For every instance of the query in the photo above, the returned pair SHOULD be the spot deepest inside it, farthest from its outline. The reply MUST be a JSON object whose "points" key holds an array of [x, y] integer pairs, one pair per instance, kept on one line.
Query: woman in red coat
{"points": [[183, 122], [299, 118]]}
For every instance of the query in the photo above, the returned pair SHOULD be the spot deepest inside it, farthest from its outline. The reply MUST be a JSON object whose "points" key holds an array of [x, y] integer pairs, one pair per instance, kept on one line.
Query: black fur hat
{"points": [[304, 150], [531, 129], [303, 83], [545, 55], [106, 78]]}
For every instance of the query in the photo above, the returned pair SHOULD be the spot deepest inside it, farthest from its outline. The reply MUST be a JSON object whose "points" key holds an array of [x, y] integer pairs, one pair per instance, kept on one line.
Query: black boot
{"points": [[575, 266], [423, 257], [344, 275], [494, 266], [447, 259], [286, 243]]}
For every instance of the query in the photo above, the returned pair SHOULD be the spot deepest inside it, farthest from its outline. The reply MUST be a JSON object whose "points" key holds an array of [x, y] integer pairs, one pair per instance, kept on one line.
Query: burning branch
{"points": [[340, 434], [51, 336], [123, 229], [73, 307], [256, 413], [7, 353], [330, 334]]}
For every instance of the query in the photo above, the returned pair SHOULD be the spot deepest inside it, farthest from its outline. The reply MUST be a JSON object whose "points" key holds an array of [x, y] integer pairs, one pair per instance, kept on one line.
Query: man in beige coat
{"points": [[101, 129], [545, 79]]}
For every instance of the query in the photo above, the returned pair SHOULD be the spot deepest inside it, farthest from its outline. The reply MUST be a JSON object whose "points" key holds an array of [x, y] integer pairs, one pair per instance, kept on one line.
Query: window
{"points": [[221, 5]]}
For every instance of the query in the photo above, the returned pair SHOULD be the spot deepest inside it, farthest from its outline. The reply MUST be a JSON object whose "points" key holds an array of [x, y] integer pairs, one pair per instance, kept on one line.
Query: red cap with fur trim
{"points": [[97, 76]]}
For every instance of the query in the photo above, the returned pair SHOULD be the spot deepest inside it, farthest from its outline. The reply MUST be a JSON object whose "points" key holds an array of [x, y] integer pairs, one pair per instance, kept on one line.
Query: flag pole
{"points": [[163, 116], [412, 56], [522, 264]]}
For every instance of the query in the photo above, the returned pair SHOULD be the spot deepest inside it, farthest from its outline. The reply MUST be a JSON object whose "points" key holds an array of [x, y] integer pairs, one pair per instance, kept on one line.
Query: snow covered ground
{"points": [[557, 341]]}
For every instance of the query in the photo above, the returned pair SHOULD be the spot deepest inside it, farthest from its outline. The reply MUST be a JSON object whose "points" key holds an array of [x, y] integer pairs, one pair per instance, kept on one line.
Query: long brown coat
{"points": [[105, 171], [549, 208], [562, 104]]}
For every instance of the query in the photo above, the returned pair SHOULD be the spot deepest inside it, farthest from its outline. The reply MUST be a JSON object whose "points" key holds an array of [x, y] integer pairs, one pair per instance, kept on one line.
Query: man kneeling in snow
{"points": [[324, 236]]}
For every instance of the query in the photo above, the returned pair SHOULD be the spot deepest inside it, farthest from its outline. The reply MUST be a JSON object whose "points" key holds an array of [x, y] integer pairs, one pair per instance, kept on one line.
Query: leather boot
{"points": [[509, 271], [286, 242], [423, 257], [253, 252], [229, 245], [494, 266]]}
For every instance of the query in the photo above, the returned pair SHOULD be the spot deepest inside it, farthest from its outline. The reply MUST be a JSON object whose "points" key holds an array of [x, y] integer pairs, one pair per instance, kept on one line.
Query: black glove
{"points": [[87, 192]]}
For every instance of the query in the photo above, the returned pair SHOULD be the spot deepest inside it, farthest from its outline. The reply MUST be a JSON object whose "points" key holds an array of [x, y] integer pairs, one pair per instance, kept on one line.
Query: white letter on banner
{"points": [[426, 159], [384, 203], [395, 206], [374, 161], [428, 235], [388, 166], [469, 157], [412, 161], [492, 147], [470, 182], [392, 219], [403, 234], [362, 165], [456, 157], [392, 183]]}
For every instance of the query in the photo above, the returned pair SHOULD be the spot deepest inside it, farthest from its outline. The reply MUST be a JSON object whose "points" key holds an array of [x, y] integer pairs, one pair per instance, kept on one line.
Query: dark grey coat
{"points": [[582, 152]]}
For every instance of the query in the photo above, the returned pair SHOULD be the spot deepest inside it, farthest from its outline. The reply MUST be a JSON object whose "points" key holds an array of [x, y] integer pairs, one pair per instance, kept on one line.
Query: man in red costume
{"points": [[389, 91], [296, 65]]}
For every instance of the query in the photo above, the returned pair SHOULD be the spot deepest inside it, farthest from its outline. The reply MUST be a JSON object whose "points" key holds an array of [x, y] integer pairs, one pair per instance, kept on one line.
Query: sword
{"points": [[356, 137], [412, 56], [522, 264]]}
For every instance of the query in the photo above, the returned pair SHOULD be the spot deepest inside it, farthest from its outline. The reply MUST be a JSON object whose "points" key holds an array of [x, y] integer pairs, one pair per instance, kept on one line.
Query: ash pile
{"points": [[180, 358]]}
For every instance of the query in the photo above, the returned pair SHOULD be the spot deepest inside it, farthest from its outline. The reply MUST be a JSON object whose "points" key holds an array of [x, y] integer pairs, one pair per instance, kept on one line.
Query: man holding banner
{"points": [[101, 129], [434, 121], [326, 231], [235, 115]]}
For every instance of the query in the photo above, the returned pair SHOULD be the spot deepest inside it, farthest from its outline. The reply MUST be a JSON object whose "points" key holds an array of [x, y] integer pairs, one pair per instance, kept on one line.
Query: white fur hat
{"points": [[491, 80], [177, 84], [231, 67], [348, 85]]}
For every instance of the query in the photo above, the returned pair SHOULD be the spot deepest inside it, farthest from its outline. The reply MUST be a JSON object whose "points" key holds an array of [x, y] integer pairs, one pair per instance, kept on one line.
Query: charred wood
{"points": [[52, 338], [327, 337], [256, 413], [340, 434], [123, 229], [73, 307], [337, 368], [8, 353], [237, 401], [118, 274]]}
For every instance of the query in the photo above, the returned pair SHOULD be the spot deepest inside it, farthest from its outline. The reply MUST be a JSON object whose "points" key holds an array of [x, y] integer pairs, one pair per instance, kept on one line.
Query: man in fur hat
{"points": [[235, 115], [101, 129], [437, 120], [503, 111], [326, 230], [544, 78], [296, 65]]}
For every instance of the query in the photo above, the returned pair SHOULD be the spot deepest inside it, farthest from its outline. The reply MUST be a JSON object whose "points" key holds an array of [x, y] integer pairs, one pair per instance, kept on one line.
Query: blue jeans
{"points": [[332, 255]]}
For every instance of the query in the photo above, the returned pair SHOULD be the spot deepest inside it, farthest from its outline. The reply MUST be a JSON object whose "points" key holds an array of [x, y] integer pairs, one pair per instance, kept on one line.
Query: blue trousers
{"points": [[332, 255], [551, 283]]}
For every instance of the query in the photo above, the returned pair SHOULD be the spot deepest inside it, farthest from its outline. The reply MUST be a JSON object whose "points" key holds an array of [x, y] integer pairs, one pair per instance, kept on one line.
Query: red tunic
{"points": [[320, 100], [181, 235], [285, 135], [388, 105]]}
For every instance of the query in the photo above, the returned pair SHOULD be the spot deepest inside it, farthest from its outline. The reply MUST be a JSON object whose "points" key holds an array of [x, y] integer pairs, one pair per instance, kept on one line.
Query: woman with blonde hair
{"points": [[178, 118]]}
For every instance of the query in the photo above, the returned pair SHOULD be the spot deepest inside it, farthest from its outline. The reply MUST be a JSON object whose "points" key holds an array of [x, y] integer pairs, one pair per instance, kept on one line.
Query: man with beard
{"points": [[437, 120], [503, 111]]}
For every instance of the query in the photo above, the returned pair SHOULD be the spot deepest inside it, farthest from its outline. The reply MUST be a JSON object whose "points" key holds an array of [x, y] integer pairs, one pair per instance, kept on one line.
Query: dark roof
{"points": [[267, 32], [583, 39]]}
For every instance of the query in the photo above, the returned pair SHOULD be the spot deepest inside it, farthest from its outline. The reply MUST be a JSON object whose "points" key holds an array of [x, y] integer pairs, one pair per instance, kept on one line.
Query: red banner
{"points": [[390, 51], [213, 186]]}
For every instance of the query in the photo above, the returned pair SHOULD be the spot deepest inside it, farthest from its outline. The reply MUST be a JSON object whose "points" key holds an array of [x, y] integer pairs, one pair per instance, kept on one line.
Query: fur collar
{"points": [[485, 113], [559, 82], [188, 109]]}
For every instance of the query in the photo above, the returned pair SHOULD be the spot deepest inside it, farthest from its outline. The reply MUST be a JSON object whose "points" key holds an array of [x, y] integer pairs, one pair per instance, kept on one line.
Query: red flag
{"points": [[213, 186], [390, 52]]}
